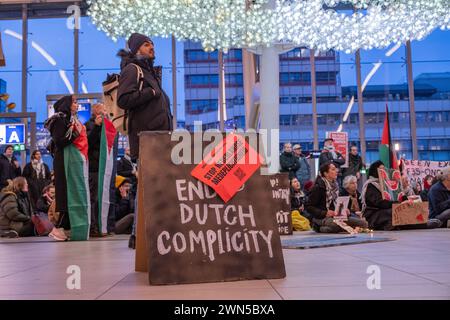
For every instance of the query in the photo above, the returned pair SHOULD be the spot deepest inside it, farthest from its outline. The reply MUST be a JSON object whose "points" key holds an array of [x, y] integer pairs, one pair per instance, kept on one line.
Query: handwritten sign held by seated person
{"points": [[409, 213]]}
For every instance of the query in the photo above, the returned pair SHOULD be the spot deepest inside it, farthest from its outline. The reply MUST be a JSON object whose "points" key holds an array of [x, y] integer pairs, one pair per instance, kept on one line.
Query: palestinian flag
{"points": [[385, 150], [105, 173], [77, 176], [390, 176]]}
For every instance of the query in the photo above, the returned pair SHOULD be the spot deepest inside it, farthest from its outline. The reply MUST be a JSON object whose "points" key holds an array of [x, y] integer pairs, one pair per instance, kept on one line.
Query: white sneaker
{"points": [[57, 235]]}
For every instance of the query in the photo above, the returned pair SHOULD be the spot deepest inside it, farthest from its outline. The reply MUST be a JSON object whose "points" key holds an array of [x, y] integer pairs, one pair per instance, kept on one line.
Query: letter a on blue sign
{"points": [[14, 134]]}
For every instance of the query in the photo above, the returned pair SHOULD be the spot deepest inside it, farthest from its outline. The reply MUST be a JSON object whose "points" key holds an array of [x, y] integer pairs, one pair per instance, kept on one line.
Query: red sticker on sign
{"points": [[228, 166]]}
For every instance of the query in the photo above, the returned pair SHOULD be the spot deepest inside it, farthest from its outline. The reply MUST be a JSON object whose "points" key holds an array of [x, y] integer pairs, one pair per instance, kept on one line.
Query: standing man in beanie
{"points": [[142, 96], [9, 166], [148, 108]]}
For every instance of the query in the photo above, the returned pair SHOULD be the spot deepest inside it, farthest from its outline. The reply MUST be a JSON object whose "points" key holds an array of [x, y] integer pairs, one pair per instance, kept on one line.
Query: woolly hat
{"points": [[121, 180], [136, 40]]}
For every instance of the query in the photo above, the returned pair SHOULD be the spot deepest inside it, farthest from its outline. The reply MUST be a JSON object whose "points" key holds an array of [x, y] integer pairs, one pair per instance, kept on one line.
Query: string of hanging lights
{"points": [[223, 24]]}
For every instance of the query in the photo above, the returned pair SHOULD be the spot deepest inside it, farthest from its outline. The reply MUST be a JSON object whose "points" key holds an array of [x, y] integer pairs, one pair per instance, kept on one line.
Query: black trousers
{"points": [[27, 230], [93, 188], [64, 221]]}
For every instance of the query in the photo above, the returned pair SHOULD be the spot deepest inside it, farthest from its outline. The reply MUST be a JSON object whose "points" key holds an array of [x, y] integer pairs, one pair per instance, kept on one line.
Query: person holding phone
{"points": [[124, 206], [94, 131]]}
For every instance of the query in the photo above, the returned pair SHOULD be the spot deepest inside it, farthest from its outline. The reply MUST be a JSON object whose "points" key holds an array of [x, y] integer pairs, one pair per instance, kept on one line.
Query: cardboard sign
{"points": [[416, 170], [279, 186], [344, 226], [192, 236], [228, 166], [405, 213], [340, 144]]}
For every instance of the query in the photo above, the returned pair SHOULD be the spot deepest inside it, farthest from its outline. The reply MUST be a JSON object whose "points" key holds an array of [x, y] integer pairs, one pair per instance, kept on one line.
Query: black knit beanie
{"points": [[136, 40]]}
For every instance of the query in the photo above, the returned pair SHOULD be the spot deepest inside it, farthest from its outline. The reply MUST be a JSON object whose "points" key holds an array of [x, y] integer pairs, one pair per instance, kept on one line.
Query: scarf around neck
{"points": [[332, 192], [373, 181], [39, 169]]}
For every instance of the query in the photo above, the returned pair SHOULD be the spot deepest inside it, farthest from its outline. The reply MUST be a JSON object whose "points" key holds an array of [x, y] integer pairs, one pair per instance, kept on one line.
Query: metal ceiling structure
{"points": [[12, 10]]}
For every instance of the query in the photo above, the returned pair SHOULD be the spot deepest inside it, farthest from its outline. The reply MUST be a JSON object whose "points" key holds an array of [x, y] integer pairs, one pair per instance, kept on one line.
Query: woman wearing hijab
{"points": [[38, 176], [64, 128], [378, 211]]}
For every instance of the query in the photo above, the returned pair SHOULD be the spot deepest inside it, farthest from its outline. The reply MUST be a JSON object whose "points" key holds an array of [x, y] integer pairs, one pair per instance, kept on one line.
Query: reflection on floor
{"points": [[415, 266]]}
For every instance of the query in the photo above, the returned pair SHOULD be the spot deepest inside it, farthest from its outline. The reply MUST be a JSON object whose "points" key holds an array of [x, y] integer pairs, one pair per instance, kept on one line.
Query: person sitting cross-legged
{"points": [[439, 198], [322, 202], [300, 218], [350, 189], [16, 210], [124, 206]]}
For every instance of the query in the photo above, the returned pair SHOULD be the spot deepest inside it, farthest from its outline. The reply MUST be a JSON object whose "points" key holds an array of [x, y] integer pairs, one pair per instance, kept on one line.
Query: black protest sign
{"points": [[193, 236], [279, 186]]}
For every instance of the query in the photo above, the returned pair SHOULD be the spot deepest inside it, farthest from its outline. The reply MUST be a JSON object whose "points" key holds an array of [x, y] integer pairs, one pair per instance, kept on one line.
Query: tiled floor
{"points": [[415, 266]]}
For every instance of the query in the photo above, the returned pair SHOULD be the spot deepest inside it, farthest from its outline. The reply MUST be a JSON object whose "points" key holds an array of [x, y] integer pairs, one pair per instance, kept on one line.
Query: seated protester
{"points": [[322, 201], [407, 189], [297, 195], [427, 183], [124, 206], [439, 198], [350, 186], [127, 168], [16, 210], [378, 211], [300, 218], [46, 199], [417, 188]]}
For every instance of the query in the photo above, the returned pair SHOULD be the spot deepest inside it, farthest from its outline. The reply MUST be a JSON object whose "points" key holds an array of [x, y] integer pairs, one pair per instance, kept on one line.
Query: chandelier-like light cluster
{"points": [[223, 24]]}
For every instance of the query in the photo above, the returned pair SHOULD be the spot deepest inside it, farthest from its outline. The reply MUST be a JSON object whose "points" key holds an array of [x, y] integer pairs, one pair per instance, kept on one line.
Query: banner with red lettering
{"points": [[340, 142]]}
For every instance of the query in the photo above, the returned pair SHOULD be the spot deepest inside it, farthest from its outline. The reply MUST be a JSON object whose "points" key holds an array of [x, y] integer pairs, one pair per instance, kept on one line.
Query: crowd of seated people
{"points": [[367, 209]]}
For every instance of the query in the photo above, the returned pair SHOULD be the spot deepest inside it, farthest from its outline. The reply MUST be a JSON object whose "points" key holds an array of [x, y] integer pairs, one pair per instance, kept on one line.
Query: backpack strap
{"points": [[140, 81], [140, 76]]}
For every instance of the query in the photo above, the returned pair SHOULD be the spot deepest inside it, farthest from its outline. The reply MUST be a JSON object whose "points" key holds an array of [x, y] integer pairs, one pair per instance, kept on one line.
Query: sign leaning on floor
{"points": [[279, 186], [192, 235]]}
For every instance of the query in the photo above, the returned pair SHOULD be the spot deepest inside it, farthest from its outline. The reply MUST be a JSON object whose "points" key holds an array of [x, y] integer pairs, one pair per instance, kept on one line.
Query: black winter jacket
{"points": [[94, 135], [355, 165], [122, 206], [58, 125], [148, 109], [317, 201], [289, 163], [375, 201], [326, 157], [8, 170]]}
